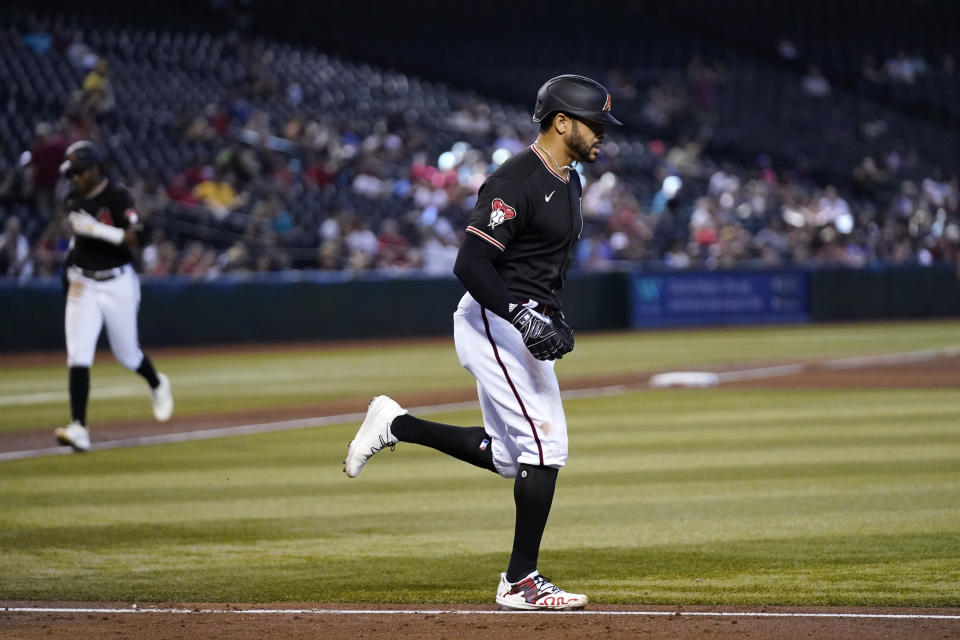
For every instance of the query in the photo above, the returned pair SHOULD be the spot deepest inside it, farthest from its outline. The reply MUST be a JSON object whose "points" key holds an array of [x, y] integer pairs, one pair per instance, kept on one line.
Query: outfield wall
{"points": [[319, 306]]}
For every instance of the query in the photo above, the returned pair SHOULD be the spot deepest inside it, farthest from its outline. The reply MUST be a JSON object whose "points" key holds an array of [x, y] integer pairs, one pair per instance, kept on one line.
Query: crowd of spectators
{"points": [[764, 217], [899, 68], [300, 189]]}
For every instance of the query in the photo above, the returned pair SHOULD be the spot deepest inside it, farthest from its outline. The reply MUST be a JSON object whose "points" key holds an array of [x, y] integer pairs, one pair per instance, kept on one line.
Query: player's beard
{"points": [[581, 150]]}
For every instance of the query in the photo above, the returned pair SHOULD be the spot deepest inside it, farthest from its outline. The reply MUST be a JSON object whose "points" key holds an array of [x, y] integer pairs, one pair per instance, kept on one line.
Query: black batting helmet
{"points": [[577, 95], [80, 156]]}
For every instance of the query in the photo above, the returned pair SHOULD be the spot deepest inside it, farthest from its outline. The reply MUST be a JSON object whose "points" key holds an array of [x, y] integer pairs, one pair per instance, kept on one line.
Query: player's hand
{"points": [[131, 235], [539, 334], [564, 331]]}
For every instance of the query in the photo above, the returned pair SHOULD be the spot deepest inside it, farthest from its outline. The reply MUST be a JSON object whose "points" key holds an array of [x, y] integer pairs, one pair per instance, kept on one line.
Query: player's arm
{"points": [[500, 213], [125, 229], [129, 220], [474, 267], [84, 224]]}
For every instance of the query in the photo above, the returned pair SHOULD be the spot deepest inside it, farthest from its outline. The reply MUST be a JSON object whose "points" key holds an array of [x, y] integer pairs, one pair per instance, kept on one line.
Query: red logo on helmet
{"points": [[608, 104], [501, 212]]}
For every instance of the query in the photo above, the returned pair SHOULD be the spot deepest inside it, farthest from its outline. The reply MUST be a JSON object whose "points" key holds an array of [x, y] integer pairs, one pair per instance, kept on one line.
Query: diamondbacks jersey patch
{"points": [[501, 212]]}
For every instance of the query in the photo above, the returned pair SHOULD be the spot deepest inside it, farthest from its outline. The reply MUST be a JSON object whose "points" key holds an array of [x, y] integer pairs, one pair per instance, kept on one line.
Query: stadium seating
{"points": [[164, 79]]}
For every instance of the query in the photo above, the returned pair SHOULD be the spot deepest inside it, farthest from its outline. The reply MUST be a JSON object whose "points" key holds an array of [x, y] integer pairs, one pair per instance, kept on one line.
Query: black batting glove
{"points": [[539, 334], [563, 330]]}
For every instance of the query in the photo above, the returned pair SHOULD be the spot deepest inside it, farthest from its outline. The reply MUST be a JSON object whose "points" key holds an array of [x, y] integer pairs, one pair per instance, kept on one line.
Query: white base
{"points": [[684, 379]]}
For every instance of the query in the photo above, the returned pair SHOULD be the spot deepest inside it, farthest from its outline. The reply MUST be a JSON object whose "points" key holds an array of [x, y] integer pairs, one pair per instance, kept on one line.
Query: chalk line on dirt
{"points": [[592, 612]]}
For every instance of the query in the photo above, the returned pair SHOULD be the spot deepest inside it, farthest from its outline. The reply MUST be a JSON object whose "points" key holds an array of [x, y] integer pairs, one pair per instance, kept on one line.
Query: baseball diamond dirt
{"points": [[238, 621], [29, 621]]}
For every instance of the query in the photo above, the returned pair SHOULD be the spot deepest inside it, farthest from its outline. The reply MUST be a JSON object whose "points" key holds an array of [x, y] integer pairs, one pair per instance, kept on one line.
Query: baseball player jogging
{"points": [[102, 287], [509, 329]]}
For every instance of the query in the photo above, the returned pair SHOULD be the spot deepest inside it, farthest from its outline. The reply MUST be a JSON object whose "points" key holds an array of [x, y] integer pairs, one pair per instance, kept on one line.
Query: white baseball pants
{"points": [[519, 395], [93, 303]]}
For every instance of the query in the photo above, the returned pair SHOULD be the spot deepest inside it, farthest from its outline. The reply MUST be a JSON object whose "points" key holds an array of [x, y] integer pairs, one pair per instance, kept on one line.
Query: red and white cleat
{"points": [[535, 593]]}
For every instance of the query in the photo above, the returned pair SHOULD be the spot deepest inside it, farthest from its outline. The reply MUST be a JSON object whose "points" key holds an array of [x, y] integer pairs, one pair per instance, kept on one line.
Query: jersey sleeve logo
{"points": [[131, 216], [501, 212]]}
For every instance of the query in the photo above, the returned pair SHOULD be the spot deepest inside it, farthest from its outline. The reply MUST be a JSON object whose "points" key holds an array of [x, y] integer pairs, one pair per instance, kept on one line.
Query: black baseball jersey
{"points": [[531, 213], [111, 205]]}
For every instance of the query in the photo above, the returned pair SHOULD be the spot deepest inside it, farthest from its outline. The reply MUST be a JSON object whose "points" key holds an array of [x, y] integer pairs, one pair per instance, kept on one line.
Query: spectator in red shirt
{"points": [[394, 250], [46, 153]]}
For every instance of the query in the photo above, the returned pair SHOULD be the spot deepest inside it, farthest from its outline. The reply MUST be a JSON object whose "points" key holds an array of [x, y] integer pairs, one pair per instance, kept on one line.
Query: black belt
{"points": [[540, 308], [101, 276]]}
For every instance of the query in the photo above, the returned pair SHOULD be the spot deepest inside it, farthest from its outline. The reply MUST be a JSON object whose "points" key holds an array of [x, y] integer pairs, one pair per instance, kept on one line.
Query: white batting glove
{"points": [[84, 224], [81, 222]]}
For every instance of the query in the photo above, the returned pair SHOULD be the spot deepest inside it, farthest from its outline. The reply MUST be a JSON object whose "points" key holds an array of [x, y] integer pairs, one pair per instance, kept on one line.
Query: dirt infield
{"points": [[933, 373], [239, 622], [473, 623]]}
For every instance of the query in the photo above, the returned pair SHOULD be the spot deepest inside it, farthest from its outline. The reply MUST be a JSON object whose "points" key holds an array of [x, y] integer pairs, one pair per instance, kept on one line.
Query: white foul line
{"points": [[41, 397], [776, 371], [266, 427], [887, 359], [459, 612], [759, 373]]}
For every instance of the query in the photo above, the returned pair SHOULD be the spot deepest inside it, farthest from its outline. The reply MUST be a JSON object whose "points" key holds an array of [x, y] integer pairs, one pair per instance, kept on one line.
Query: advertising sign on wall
{"points": [[719, 298]]}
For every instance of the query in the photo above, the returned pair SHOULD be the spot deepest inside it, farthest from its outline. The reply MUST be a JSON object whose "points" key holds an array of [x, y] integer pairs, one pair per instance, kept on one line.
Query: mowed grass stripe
{"points": [[647, 461], [649, 520], [720, 409], [803, 518], [640, 467], [655, 485], [803, 572], [674, 349], [593, 427], [210, 383], [389, 548]]}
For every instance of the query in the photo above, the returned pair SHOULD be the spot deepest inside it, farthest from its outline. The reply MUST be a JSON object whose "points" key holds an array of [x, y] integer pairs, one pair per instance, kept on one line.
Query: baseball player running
{"points": [[509, 329], [102, 287]]}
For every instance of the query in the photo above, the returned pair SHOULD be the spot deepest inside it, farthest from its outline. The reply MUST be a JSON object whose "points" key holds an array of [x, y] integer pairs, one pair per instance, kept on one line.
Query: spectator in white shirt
{"points": [[15, 259]]}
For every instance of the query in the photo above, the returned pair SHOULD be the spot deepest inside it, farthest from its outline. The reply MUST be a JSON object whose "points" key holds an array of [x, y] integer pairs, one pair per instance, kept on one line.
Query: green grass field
{"points": [[833, 497], [36, 397]]}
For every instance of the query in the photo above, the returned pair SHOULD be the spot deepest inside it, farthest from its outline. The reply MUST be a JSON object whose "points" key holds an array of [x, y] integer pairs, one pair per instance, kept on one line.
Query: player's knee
{"points": [[129, 361], [74, 360], [506, 470], [556, 459]]}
